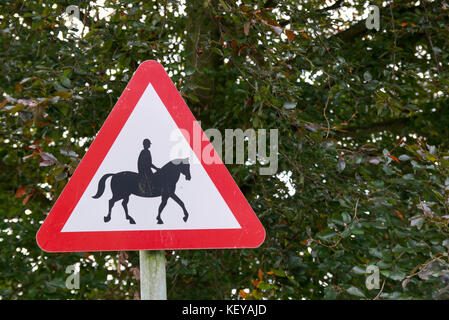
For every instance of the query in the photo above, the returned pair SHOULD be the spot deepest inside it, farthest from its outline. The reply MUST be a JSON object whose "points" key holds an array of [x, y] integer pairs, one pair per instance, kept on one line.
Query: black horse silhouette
{"points": [[162, 184]]}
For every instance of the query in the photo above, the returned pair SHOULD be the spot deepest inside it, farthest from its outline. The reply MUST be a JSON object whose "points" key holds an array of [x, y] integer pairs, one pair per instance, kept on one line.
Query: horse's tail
{"points": [[101, 185]]}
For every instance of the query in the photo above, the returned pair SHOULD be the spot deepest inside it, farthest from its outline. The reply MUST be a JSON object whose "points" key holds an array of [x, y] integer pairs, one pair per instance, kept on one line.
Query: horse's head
{"points": [[184, 167]]}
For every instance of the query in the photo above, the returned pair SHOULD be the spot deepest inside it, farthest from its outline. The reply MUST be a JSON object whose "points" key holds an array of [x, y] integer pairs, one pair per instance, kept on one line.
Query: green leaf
{"points": [[355, 292], [395, 275], [375, 252], [358, 270], [341, 165], [66, 82], [326, 234], [367, 76]]}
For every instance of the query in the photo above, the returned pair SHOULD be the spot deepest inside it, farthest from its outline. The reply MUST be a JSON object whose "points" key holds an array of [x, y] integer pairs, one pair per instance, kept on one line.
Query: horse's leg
{"points": [[161, 207], [125, 206], [111, 204], [181, 204]]}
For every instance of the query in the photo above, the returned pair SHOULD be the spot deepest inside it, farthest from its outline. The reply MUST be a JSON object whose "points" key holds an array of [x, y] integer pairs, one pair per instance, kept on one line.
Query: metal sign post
{"points": [[152, 275]]}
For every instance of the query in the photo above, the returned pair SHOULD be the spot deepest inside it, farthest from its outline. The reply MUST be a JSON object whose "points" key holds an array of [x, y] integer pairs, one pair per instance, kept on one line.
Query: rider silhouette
{"points": [[145, 165]]}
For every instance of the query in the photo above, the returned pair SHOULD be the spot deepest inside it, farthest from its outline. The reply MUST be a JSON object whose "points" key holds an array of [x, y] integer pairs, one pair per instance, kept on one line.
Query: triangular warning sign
{"points": [[150, 180]]}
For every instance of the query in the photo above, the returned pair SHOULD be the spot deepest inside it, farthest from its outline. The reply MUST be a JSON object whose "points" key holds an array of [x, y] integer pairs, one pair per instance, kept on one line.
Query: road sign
{"points": [[146, 184]]}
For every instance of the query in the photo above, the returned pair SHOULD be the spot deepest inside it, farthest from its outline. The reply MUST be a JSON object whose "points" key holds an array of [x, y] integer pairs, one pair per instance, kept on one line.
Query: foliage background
{"points": [[363, 128]]}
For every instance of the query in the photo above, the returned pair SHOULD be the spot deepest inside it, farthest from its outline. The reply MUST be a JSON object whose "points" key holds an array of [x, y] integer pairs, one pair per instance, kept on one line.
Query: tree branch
{"points": [[336, 5], [393, 125]]}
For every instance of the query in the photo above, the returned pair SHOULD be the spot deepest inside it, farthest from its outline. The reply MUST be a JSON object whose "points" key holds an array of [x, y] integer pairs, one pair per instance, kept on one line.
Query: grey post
{"points": [[152, 275]]}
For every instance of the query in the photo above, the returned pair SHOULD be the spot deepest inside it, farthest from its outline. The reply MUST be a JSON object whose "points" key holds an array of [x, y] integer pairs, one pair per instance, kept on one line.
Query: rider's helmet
{"points": [[146, 143]]}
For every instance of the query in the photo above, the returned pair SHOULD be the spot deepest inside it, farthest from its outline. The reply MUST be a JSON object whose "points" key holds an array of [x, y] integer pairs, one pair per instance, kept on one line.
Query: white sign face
{"points": [[204, 204]]}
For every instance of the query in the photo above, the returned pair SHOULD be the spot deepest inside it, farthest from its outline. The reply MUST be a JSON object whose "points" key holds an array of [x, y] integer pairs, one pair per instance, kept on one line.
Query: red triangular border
{"points": [[50, 238]]}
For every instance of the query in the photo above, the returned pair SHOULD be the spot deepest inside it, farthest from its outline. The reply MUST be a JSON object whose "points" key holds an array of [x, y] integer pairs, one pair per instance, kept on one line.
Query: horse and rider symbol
{"points": [[146, 183]]}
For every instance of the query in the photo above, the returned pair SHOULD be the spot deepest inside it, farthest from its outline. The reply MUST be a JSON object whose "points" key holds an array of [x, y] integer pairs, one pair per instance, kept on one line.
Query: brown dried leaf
{"points": [[243, 294], [25, 200], [290, 34], [246, 28], [21, 191]]}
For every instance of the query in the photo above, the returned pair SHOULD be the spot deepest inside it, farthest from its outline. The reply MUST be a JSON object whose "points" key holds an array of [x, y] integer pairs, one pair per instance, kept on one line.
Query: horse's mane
{"points": [[172, 163]]}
